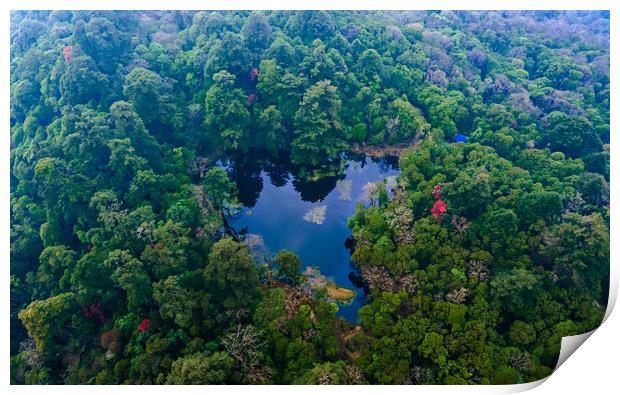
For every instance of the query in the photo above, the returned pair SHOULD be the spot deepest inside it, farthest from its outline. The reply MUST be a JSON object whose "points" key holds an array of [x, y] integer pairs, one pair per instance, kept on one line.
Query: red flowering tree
{"points": [[437, 190], [144, 325], [66, 51], [93, 312], [254, 74], [439, 208], [110, 340]]}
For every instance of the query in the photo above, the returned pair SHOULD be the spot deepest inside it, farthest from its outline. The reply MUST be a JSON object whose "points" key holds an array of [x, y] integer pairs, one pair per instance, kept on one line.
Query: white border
{"points": [[594, 367]]}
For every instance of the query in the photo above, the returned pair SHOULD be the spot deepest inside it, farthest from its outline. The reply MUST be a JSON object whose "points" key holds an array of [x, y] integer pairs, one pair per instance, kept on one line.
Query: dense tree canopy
{"points": [[476, 260]]}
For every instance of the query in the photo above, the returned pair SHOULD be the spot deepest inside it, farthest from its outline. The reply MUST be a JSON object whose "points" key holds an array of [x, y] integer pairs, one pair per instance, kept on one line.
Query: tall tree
{"points": [[317, 126]]}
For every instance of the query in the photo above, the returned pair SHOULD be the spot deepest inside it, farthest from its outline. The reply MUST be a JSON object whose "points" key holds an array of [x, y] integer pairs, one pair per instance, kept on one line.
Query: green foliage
{"points": [[47, 320], [219, 188], [432, 347], [327, 373], [124, 269], [317, 123], [152, 100], [231, 275], [131, 276], [257, 32], [522, 333], [228, 54], [573, 135], [289, 266], [506, 250], [55, 263], [200, 368], [470, 192], [178, 302], [227, 116], [81, 82]]}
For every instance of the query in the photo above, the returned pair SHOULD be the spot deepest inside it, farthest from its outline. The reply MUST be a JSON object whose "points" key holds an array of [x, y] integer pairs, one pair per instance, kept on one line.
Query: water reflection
{"points": [[279, 173], [308, 217], [247, 175], [314, 191]]}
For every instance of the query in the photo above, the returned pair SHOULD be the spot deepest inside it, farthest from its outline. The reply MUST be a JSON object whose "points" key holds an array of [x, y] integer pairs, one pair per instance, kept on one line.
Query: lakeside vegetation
{"points": [[476, 260]]}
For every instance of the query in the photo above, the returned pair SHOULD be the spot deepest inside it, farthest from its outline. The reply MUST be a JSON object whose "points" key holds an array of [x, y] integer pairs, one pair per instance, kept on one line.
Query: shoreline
{"points": [[387, 150]]}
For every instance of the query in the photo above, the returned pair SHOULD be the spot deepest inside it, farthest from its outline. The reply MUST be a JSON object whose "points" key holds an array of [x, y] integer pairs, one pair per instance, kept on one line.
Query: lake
{"points": [[308, 218]]}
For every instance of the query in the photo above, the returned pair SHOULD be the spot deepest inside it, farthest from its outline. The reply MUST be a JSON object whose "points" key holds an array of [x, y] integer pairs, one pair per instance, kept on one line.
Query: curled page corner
{"points": [[570, 344], [613, 293], [518, 388]]}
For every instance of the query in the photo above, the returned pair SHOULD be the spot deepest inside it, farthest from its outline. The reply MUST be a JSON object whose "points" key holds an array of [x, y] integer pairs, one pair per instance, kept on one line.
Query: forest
{"points": [[490, 245]]}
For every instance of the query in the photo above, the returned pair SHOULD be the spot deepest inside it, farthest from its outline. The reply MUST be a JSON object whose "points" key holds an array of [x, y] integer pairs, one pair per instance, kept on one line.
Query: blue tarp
{"points": [[460, 138]]}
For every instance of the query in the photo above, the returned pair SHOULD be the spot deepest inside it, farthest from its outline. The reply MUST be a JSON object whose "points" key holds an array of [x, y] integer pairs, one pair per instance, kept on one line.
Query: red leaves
{"points": [[66, 51], [110, 340], [439, 208], [437, 191], [145, 325], [93, 312], [254, 74], [251, 98], [107, 338]]}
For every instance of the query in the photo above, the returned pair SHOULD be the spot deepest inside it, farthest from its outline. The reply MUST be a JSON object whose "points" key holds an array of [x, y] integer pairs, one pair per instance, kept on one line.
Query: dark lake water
{"points": [[308, 218]]}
